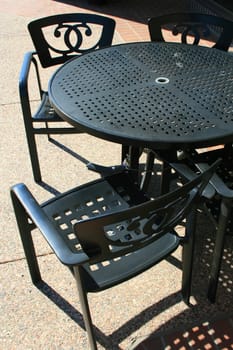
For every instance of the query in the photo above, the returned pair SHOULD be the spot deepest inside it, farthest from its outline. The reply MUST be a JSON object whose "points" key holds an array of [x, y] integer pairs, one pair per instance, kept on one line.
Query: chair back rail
{"points": [[195, 25], [60, 37], [119, 233]]}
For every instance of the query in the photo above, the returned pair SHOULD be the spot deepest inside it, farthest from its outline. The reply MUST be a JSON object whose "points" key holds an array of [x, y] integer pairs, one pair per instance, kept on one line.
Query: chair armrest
{"points": [[218, 184], [189, 174], [21, 195], [105, 171], [28, 61], [25, 69]]}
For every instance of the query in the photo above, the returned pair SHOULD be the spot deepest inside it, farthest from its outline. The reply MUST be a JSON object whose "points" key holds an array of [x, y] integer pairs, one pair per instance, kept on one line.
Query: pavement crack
{"points": [[23, 258]]}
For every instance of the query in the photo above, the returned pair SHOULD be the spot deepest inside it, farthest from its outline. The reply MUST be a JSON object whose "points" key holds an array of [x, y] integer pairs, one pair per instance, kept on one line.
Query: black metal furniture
{"points": [[109, 231], [56, 39], [191, 28], [217, 200], [220, 207], [155, 95], [161, 96], [194, 28]]}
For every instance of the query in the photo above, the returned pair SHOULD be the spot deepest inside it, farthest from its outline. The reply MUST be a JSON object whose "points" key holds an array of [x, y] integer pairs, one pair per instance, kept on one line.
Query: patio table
{"points": [[146, 94]]}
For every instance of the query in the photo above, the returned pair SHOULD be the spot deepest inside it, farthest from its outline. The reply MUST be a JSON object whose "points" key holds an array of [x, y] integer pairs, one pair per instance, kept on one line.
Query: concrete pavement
{"points": [[49, 317]]}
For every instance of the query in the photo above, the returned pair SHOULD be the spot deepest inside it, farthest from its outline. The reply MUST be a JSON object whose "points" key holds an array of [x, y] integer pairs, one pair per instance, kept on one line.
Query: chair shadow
{"points": [[109, 342], [155, 180], [199, 311], [69, 151], [50, 188], [198, 320]]}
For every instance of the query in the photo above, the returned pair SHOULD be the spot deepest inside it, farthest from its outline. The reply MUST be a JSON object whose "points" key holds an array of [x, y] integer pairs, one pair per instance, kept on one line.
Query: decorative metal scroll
{"points": [[197, 31], [69, 32], [143, 228]]}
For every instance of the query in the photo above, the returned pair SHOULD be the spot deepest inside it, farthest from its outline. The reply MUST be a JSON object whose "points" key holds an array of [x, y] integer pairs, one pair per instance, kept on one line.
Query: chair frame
{"points": [[187, 168], [190, 23], [221, 190], [141, 232], [38, 123]]}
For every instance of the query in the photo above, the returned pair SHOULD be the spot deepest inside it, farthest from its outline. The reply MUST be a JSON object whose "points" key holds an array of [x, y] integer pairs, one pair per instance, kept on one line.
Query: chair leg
{"points": [[131, 155], [48, 134], [166, 177], [85, 307], [225, 212], [124, 153], [133, 161], [147, 171], [25, 229], [188, 253], [33, 154]]}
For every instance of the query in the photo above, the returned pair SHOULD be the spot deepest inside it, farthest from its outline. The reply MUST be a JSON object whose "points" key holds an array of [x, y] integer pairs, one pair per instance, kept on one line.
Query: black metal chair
{"points": [[217, 200], [108, 231], [188, 28], [193, 29], [56, 39]]}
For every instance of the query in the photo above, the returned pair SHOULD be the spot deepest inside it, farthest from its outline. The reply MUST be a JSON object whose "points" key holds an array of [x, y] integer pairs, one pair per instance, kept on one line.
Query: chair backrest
{"points": [[60, 37], [196, 25], [113, 235]]}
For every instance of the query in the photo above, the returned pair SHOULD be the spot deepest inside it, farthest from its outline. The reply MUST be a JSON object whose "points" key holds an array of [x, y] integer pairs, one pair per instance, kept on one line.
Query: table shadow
{"points": [[133, 10]]}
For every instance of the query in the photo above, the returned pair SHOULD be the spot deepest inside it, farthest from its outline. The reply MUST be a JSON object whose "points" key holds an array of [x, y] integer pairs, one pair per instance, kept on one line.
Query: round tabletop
{"points": [[155, 95]]}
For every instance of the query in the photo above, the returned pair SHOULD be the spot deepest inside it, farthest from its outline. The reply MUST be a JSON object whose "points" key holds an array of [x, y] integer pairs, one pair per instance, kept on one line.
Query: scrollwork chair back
{"points": [[193, 27], [71, 35], [56, 39]]}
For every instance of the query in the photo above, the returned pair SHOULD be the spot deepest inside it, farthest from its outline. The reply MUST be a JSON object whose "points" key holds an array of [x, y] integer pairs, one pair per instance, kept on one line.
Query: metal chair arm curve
{"points": [[188, 174], [25, 68], [21, 194], [218, 184], [29, 59]]}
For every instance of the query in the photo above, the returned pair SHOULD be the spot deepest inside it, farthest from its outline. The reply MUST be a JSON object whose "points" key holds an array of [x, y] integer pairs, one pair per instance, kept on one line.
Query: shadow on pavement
{"points": [[133, 10]]}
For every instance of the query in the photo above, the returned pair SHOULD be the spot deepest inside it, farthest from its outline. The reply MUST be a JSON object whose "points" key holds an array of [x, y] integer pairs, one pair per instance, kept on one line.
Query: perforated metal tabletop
{"points": [[156, 95]]}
